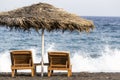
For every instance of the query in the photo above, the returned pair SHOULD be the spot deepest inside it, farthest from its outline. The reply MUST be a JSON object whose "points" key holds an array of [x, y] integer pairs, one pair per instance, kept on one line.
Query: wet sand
{"points": [[62, 76]]}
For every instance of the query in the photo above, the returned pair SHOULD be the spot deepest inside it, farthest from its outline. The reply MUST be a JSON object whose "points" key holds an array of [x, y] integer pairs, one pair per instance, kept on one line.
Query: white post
{"points": [[42, 61]]}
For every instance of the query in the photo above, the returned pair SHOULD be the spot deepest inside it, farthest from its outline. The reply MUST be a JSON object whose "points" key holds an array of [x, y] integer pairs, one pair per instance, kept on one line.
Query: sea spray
{"points": [[107, 62], [5, 62]]}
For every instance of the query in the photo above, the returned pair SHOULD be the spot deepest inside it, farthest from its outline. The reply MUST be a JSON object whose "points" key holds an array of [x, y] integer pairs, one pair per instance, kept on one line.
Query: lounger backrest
{"points": [[59, 59], [21, 58]]}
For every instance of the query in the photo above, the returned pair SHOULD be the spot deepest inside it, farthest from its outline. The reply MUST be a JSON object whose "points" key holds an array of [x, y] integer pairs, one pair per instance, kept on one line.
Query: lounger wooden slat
{"points": [[21, 59], [59, 61]]}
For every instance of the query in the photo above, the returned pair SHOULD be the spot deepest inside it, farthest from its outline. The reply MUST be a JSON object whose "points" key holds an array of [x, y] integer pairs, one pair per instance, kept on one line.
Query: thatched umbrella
{"points": [[44, 16]]}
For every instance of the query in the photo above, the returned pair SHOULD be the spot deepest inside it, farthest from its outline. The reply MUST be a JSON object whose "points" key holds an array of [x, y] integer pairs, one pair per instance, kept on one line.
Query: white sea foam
{"points": [[107, 62], [5, 62]]}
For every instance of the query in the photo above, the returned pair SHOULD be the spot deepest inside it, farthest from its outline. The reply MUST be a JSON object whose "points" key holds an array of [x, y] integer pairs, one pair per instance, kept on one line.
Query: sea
{"points": [[96, 51]]}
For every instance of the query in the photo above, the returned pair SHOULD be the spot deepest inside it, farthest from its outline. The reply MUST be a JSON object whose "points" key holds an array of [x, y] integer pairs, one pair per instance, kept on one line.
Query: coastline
{"points": [[63, 76]]}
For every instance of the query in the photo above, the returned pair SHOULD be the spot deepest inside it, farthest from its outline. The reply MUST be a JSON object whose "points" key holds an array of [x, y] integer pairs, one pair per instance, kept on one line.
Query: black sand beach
{"points": [[62, 76]]}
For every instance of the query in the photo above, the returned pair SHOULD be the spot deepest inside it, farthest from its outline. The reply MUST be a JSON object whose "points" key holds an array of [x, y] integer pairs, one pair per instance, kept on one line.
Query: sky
{"points": [[80, 7]]}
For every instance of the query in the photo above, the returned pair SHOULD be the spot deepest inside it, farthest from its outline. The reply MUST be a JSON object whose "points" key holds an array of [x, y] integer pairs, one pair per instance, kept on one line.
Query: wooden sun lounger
{"points": [[59, 61], [21, 59]]}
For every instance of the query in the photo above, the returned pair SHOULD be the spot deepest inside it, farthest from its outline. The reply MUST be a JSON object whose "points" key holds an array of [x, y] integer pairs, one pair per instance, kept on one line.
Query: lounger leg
{"points": [[32, 72], [49, 73], [69, 73], [71, 70], [13, 72], [35, 71]]}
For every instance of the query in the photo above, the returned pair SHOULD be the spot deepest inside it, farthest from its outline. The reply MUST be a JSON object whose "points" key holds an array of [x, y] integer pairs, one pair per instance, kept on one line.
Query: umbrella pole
{"points": [[42, 61]]}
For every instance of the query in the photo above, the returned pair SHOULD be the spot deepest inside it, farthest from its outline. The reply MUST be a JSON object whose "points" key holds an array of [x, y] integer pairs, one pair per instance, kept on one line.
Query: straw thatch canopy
{"points": [[43, 16]]}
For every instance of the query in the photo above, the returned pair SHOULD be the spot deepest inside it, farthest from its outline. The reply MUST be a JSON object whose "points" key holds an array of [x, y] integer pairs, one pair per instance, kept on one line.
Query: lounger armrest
{"points": [[66, 64], [13, 62], [70, 66], [30, 61], [50, 61]]}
